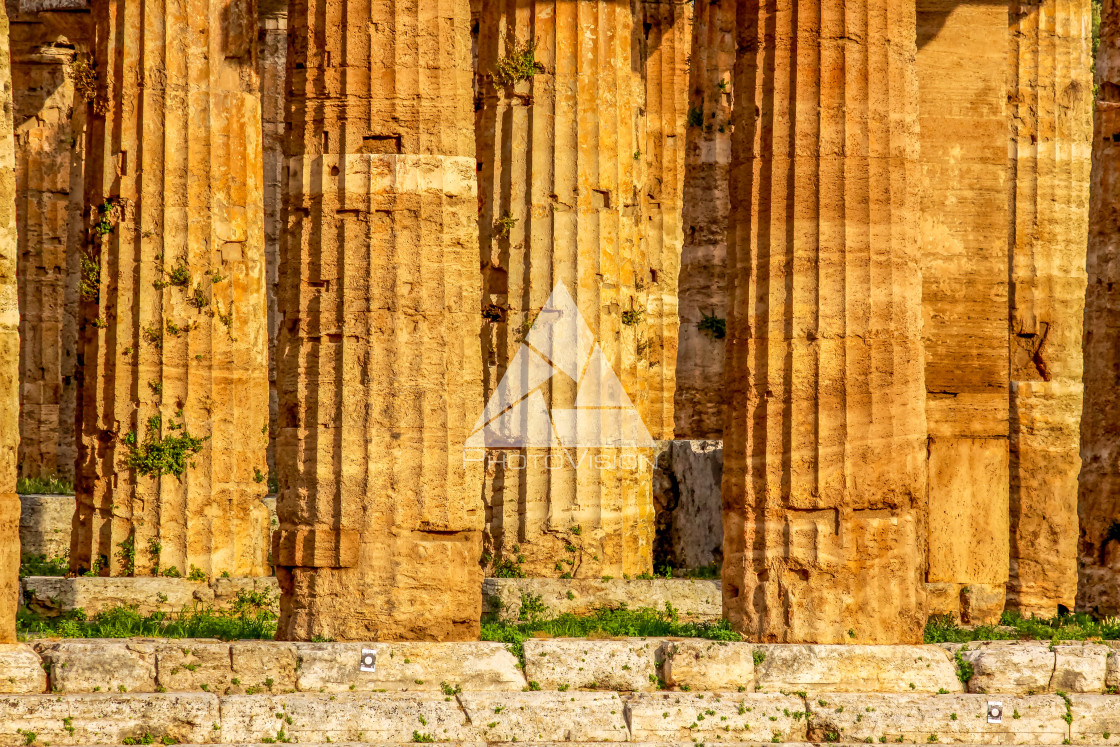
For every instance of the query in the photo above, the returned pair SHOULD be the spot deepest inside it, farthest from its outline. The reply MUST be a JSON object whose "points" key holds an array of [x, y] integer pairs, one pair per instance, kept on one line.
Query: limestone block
{"points": [[100, 666], [44, 525], [709, 665], [148, 593], [186, 666], [1080, 668], [1007, 667], [592, 664], [306, 717], [693, 599], [100, 718], [333, 667], [264, 665], [982, 604], [21, 670], [855, 668], [223, 591], [686, 493], [679, 717], [1112, 672], [547, 716], [946, 719], [1096, 719], [9, 353]]}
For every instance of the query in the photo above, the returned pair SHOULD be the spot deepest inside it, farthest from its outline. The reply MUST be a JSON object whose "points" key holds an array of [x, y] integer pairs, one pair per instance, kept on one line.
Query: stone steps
{"points": [[554, 717]]}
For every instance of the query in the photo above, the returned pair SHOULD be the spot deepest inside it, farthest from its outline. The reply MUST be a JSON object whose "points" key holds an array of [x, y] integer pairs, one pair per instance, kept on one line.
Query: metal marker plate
{"points": [[995, 712], [369, 660]]}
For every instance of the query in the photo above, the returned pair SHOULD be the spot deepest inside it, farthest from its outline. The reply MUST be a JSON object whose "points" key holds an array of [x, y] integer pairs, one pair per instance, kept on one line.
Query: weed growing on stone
{"points": [[1072, 627], [157, 455], [504, 225], [713, 326], [41, 565], [48, 485], [519, 63], [695, 117], [89, 281]]}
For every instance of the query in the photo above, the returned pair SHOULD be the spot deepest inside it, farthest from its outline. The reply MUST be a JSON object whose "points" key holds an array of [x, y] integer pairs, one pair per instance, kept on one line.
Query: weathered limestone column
{"points": [[824, 483], [46, 70], [699, 397], [379, 362], [173, 376], [9, 353], [964, 228], [560, 174], [666, 47], [1098, 507], [1050, 95]]}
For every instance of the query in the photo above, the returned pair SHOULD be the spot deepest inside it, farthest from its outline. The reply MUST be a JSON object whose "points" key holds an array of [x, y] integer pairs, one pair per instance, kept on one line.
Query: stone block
{"points": [[223, 591], [88, 719], [364, 717], [1096, 719], [709, 665], [1079, 668], [333, 667], [1008, 667], [21, 670], [44, 525], [680, 717], [100, 666], [188, 666], [872, 717], [854, 668], [693, 599], [96, 594], [547, 716], [686, 481], [264, 665], [1112, 672], [592, 664]]}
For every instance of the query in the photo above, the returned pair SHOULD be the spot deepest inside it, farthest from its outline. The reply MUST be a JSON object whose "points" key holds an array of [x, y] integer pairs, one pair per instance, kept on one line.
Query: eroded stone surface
{"points": [[44, 525], [592, 664], [712, 716], [824, 490], [686, 493], [1006, 667], [21, 670], [547, 716], [1096, 719], [334, 667], [1079, 668], [709, 665], [888, 669], [100, 666], [109, 719], [693, 599], [936, 718]]}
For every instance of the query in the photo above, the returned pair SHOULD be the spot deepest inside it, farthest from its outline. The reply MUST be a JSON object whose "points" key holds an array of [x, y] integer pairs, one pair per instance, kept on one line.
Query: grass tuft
{"points": [[49, 485]]}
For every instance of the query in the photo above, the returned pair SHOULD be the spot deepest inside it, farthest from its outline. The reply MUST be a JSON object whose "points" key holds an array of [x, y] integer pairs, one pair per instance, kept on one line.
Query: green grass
{"points": [[711, 571], [1074, 627], [601, 623], [52, 485], [41, 565], [249, 617]]}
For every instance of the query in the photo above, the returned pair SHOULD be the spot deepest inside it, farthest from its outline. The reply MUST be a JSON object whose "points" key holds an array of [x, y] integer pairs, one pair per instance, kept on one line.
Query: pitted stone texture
{"points": [[363, 717], [194, 665], [333, 667], [547, 716], [1079, 668], [709, 665], [686, 494], [705, 717], [935, 718], [21, 670], [44, 525], [592, 664], [1009, 667], [855, 668], [1112, 672], [109, 719], [824, 490], [148, 594], [1096, 719], [264, 665], [99, 665], [693, 599], [9, 544]]}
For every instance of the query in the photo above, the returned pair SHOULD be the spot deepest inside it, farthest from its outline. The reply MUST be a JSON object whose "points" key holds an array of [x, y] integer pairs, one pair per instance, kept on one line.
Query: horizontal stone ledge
{"points": [[1037, 667], [582, 664], [547, 716], [699, 600], [708, 717], [53, 595]]}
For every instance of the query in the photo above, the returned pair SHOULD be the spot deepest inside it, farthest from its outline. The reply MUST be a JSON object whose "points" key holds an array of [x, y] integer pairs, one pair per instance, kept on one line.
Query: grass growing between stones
{"points": [[52, 485], [602, 623], [1074, 627], [249, 617]]}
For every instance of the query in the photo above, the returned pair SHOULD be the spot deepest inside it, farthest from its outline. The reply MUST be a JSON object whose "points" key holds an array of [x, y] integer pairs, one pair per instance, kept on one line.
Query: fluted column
{"points": [[560, 178], [9, 353], [699, 396], [666, 49], [964, 230], [1050, 98], [824, 485], [173, 378], [1098, 508], [379, 361]]}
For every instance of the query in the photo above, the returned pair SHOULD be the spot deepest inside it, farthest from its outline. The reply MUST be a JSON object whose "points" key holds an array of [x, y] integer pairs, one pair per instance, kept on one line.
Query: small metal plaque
{"points": [[369, 660], [995, 712]]}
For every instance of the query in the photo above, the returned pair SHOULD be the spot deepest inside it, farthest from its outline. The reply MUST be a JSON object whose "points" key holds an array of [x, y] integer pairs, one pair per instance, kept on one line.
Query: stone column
{"points": [[1098, 507], [964, 230], [379, 361], [665, 49], [699, 397], [173, 376], [824, 483], [9, 353], [1050, 97], [49, 121], [560, 174]]}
